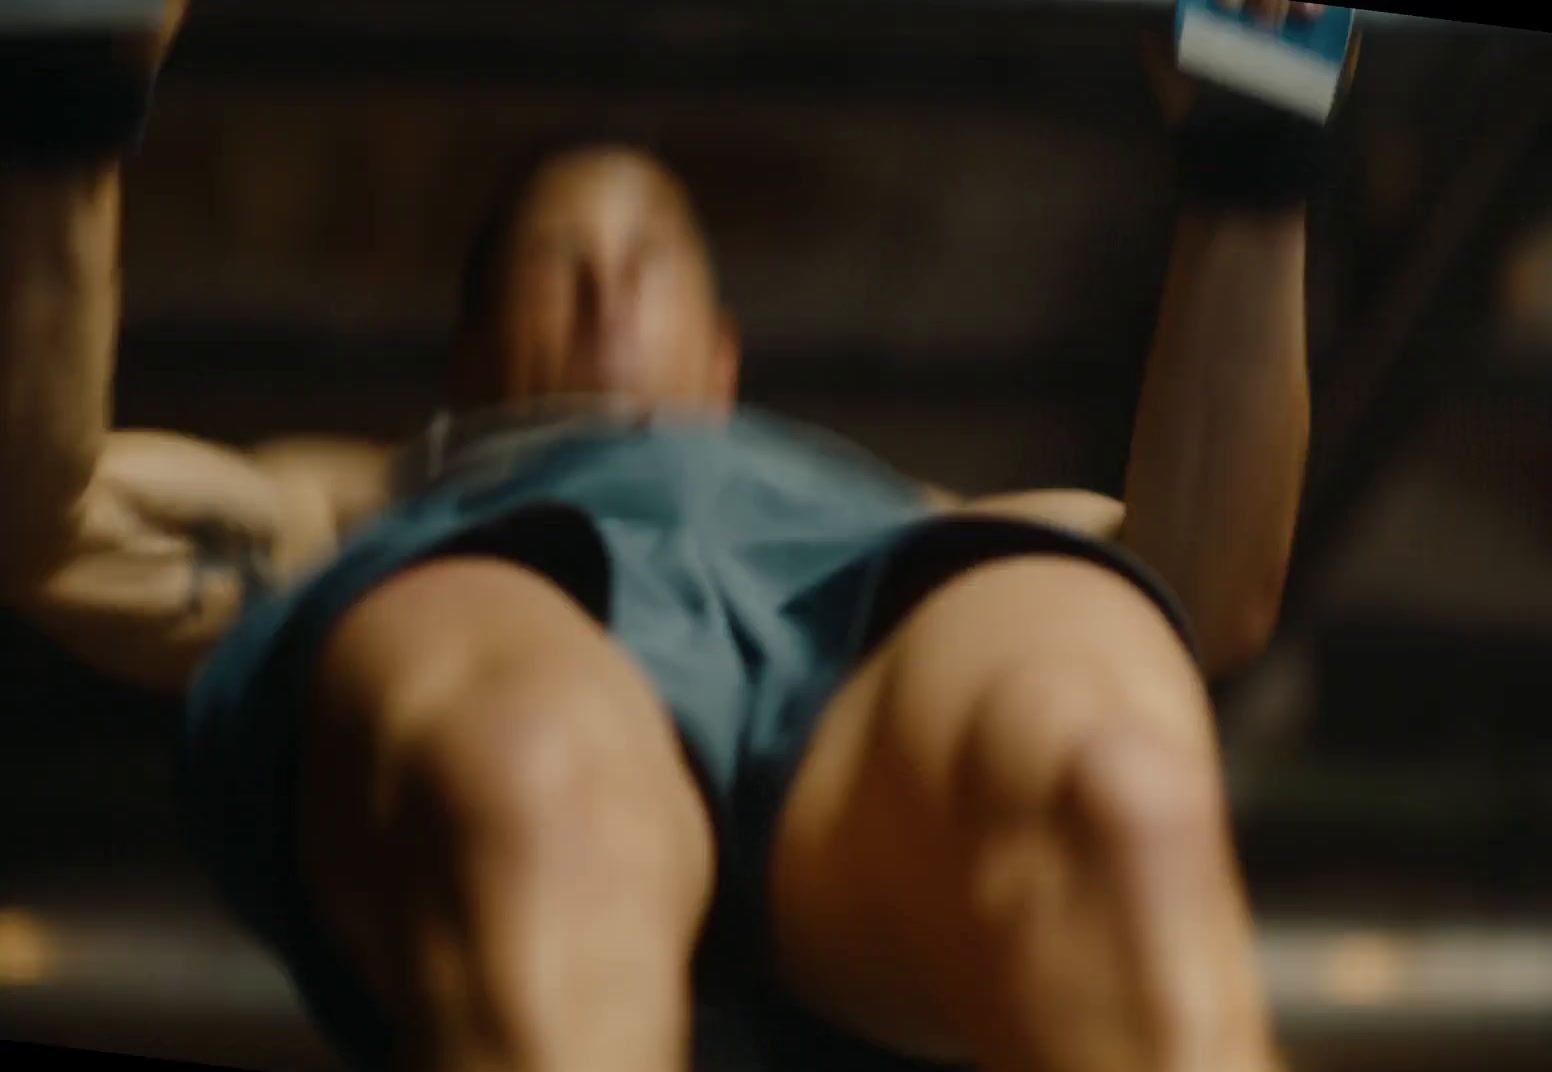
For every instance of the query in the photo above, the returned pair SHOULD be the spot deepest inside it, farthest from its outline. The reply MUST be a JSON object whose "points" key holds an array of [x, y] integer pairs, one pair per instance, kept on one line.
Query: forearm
{"points": [[59, 304], [1217, 459]]}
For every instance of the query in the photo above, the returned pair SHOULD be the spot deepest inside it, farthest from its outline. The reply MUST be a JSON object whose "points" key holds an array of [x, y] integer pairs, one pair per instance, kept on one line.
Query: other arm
{"points": [[59, 302], [1216, 468], [130, 548], [172, 534], [1218, 449]]}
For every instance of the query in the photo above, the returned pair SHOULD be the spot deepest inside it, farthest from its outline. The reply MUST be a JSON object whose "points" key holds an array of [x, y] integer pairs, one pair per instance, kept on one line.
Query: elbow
{"points": [[1240, 637], [1241, 616]]}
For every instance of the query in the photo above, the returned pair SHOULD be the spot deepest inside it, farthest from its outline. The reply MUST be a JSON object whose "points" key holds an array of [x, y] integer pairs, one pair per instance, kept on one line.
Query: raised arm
{"points": [[1216, 467], [132, 549], [87, 552], [1217, 458], [59, 300], [1217, 462], [60, 195]]}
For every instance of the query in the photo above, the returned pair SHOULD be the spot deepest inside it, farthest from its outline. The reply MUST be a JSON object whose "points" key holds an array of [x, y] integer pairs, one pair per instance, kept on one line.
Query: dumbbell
{"points": [[1271, 74], [1291, 56]]}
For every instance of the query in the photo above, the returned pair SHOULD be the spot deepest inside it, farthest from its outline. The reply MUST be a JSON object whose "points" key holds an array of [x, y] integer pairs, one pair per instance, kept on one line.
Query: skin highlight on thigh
{"points": [[869, 857], [410, 663]]}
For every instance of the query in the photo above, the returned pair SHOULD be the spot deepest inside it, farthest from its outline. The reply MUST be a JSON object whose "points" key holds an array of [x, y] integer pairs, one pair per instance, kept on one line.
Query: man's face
{"points": [[610, 290]]}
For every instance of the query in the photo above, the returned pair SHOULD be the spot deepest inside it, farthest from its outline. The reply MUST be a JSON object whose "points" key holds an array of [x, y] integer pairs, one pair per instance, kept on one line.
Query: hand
{"points": [[1177, 91]]}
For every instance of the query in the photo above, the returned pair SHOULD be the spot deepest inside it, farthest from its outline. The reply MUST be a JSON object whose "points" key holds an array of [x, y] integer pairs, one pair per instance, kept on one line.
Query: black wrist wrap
{"points": [[69, 100], [1237, 153]]}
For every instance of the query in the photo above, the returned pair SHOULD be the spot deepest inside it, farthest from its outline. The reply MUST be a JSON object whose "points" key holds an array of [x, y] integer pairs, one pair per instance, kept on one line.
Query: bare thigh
{"points": [[974, 708], [471, 699]]}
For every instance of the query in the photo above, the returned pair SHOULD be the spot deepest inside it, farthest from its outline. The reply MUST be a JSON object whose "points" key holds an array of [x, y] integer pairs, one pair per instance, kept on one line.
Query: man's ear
{"points": [[726, 358]]}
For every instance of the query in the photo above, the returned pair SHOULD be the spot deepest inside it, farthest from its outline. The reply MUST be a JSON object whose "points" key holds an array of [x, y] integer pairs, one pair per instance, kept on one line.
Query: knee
{"points": [[539, 773], [1131, 809], [1121, 773], [1107, 746], [1135, 795]]}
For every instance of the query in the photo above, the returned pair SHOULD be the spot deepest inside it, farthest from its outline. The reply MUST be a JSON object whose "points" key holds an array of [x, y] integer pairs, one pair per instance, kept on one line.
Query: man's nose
{"points": [[606, 287]]}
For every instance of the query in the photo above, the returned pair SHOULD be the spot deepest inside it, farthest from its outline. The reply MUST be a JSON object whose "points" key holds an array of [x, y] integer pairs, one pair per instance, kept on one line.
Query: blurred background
{"points": [[944, 226]]}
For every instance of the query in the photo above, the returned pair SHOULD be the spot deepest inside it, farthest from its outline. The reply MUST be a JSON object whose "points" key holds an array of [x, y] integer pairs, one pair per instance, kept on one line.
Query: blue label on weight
{"points": [[1323, 37]]}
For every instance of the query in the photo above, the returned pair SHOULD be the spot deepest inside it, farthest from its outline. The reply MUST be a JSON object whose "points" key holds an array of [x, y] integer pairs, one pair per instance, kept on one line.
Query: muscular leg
{"points": [[498, 824], [1008, 842]]}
